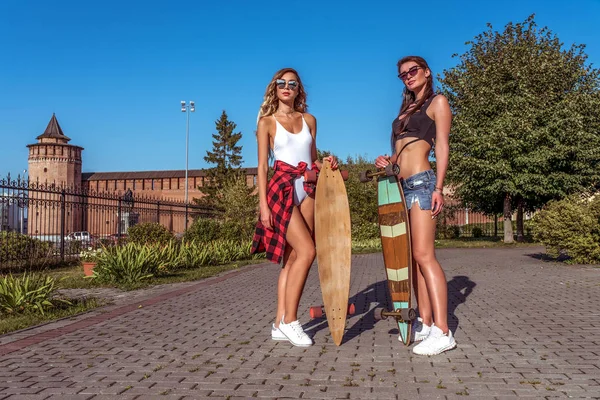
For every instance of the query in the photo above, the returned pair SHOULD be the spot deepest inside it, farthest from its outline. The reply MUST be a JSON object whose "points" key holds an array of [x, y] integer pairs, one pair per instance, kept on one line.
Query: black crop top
{"points": [[419, 125]]}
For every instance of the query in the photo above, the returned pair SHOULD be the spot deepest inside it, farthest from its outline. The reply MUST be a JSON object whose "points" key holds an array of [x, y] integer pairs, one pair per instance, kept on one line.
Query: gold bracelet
{"points": [[438, 189]]}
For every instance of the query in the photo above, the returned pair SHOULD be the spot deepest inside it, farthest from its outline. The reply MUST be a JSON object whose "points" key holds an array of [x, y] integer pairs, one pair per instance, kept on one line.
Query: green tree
{"points": [[225, 155], [526, 124], [362, 198], [241, 207]]}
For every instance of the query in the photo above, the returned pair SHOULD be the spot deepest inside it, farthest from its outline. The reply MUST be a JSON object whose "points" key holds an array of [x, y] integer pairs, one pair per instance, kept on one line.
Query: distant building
{"points": [[12, 217], [53, 161]]}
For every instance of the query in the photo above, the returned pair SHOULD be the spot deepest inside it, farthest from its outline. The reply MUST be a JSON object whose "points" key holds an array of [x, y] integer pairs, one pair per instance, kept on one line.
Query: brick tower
{"points": [[52, 160], [55, 163]]}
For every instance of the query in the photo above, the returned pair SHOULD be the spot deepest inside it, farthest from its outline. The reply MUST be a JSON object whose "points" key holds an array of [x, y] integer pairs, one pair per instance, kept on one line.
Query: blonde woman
{"points": [[285, 227]]}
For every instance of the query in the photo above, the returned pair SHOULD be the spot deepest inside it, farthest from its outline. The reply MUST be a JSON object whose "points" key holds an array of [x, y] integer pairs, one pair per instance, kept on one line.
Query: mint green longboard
{"points": [[395, 241]]}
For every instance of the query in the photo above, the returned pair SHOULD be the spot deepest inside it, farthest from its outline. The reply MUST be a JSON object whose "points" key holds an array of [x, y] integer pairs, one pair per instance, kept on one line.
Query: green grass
{"points": [[13, 322], [374, 245], [482, 242], [72, 277]]}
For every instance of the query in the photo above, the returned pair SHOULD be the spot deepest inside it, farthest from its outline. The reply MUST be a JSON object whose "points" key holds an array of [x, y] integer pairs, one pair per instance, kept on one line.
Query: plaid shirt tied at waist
{"points": [[280, 199]]}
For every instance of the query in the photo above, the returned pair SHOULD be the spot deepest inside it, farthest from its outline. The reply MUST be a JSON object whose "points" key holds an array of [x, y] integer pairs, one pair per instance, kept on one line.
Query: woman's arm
{"points": [[264, 145], [311, 121], [443, 120]]}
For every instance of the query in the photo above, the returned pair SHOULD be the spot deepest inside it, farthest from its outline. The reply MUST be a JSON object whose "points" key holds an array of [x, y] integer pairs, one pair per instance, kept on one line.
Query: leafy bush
{"points": [[15, 246], [73, 246], [570, 226], [365, 230], [362, 198], [448, 232], [29, 292], [200, 254], [130, 263], [477, 232], [241, 207], [203, 230], [149, 233], [89, 255], [134, 262], [105, 242]]}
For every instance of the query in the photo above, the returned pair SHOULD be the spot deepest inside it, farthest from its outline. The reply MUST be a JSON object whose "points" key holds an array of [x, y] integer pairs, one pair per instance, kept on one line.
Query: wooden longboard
{"points": [[395, 241], [333, 245]]}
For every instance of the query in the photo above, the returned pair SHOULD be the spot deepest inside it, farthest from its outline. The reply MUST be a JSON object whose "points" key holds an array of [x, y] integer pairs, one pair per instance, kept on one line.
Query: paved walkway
{"points": [[524, 327]]}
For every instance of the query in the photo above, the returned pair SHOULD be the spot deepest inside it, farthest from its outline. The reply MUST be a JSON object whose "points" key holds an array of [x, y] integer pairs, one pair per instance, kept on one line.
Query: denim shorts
{"points": [[418, 188]]}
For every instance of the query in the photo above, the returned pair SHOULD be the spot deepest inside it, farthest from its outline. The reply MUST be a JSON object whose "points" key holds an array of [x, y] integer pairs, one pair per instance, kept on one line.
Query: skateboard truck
{"points": [[311, 176], [319, 311], [401, 314], [389, 170]]}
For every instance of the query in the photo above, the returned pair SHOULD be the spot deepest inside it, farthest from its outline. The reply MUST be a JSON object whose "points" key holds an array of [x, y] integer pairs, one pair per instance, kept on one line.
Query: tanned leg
{"points": [[288, 258], [423, 303], [299, 237], [422, 228]]}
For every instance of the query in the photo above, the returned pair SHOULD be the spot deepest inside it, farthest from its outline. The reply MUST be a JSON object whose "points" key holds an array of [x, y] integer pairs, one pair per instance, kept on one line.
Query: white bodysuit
{"points": [[292, 148]]}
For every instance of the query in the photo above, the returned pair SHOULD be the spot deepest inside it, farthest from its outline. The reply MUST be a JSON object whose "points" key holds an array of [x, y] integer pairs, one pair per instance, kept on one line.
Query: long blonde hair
{"points": [[270, 101]]}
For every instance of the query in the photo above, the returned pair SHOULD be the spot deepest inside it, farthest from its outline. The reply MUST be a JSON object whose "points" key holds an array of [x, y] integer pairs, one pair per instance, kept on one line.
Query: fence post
{"points": [[495, 225], [62, 224], [158, 211], [119, 219], [186, 217]]}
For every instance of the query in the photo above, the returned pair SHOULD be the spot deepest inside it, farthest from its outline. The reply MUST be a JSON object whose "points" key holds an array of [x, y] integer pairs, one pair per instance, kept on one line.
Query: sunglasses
{"points": [[293, 85], [410, 73]]}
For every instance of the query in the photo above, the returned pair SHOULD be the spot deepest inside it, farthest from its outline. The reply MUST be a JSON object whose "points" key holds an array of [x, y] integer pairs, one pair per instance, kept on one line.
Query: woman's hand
{"points": [[437, 203], [382, 161], [332, 161], [266, 218]]}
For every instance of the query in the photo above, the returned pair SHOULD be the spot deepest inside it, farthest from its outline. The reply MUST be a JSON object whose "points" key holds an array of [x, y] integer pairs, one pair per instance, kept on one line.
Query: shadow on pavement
{"points": [[376, 296], [365, 303], [459, 288]]}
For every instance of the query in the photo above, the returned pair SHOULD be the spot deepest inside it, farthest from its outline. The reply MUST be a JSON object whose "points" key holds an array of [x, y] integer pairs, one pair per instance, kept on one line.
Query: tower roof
{"points": [[53, 130]]}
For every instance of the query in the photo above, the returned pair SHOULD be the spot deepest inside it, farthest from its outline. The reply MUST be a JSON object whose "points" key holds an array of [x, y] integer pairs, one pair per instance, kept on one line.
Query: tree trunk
{"points": [[508, 230], [520, 235]]}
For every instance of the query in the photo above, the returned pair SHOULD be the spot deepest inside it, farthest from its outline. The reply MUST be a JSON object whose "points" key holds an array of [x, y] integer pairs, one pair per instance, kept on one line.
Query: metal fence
{"points": [[457, 221], [42, 224]]}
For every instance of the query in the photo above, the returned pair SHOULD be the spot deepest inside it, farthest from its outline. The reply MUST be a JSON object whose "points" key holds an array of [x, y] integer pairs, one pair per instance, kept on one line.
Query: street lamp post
{"points": [[187, 108]]}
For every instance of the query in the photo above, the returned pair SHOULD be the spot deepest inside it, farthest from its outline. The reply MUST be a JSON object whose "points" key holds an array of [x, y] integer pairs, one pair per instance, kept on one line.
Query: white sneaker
{"points": [[295, 334], [276, 334], [435, 343], [420, 331]]}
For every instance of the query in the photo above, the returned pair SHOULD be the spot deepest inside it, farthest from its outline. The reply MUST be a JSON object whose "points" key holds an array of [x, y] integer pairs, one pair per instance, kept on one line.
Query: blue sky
{"points": [[114, 72]]}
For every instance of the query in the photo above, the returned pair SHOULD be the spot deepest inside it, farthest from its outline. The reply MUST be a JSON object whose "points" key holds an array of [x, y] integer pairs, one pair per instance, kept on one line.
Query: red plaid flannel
{"points": [[280, 199]]}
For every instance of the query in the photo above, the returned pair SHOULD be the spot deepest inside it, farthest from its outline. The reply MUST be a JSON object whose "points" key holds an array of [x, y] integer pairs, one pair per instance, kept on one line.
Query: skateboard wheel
{"points": [[378, 314], [351, 309], [344, 175], [316, 312], [310, 176], [392, 169], [364, 176], [408, 314]]}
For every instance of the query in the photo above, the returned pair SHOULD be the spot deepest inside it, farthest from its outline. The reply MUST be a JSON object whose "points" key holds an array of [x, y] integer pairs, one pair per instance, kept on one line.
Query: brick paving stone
{"points": [[515, 318]]}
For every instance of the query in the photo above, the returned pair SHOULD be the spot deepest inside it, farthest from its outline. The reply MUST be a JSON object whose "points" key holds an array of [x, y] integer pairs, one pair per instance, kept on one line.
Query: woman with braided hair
{"points": [[286, 220], [424, 120]]}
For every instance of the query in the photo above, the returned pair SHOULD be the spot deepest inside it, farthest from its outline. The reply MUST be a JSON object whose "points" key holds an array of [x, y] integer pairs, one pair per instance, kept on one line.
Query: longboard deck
{"points": [[334, 247], [395, 241]]}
